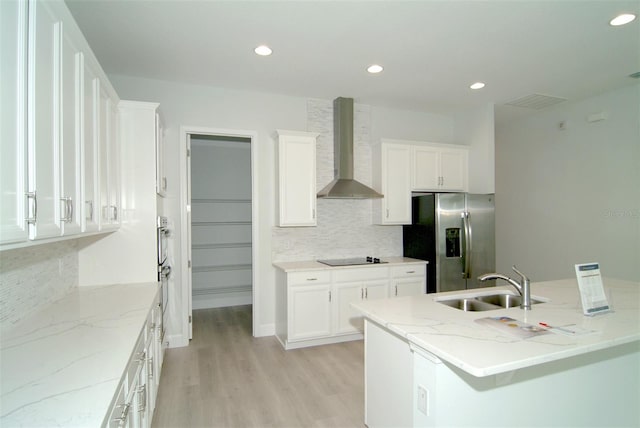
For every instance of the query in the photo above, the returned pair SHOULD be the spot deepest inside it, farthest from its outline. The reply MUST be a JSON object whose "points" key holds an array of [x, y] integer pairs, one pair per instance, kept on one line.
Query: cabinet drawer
{"points": [[137, 359], [360, 274], [408, 271], [119, 412], [309, 277]]}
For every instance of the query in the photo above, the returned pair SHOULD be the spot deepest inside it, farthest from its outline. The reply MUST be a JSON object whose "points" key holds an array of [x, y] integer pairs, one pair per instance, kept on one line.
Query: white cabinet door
{"points": [[309, 311], [43, 86], [70, 150], [108, 160], [453, 169], [347, 319], [395, 184], [114, 164], [425, 168], [89, 175], [376, 289], [297, 178], [439, 167], [161, 178], [13, 139], [408, 287]]}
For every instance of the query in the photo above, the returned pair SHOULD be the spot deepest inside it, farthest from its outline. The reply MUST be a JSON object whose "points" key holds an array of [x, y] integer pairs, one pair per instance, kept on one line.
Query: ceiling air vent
{"points": [[535, 101]]}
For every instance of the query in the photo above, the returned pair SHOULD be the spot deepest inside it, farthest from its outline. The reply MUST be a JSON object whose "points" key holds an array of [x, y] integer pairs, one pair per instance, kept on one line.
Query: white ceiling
{"points": [[431, 50]]}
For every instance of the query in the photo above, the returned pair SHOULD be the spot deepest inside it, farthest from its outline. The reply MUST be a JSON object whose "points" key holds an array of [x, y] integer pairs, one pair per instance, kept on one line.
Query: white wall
{"points": [[476, 129], [571, 196], [209, 107]]}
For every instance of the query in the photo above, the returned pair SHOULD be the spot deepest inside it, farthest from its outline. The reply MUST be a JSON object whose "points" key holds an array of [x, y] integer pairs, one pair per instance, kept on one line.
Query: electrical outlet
{"points": [[423, 400]]}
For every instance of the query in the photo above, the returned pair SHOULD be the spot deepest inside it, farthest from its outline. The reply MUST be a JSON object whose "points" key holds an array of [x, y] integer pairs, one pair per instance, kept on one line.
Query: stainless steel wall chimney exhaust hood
{"points": [[343, 185]]}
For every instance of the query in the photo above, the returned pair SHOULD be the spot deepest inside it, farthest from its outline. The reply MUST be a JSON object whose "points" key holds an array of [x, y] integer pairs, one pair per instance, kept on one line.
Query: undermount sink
{"points": [[489, 302]]}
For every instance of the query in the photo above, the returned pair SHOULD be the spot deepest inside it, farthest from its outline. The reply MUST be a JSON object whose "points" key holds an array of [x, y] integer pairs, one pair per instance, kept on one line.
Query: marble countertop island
{"points": [[453, 336], [61, 366]]}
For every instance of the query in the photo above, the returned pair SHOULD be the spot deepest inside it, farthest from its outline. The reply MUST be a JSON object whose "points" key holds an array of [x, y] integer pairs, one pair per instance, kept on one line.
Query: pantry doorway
{"points": [[218, 220]]}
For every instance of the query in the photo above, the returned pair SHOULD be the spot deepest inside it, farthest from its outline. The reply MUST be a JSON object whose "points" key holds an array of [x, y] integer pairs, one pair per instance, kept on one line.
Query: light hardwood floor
{"points": [[227, 378]]}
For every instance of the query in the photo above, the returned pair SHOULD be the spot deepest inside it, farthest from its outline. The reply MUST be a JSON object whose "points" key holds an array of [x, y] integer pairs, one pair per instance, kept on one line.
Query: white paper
{"points": [[594, 299]]}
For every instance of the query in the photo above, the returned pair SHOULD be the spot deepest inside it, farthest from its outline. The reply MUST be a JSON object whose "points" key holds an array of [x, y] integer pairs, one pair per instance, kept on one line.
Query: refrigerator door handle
{"points": [[467, 245]]}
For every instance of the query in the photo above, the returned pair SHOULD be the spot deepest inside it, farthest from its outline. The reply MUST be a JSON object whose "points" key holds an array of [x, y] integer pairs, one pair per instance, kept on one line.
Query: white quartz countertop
{"points": [[62, 366], [315, 265], [454, 337]]}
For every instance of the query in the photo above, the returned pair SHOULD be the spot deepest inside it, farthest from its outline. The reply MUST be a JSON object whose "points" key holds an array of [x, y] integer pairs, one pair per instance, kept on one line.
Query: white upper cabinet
{"points": [[439, 167], [51, 107], [44, 120], [71, 137], [297, 178], [89, 175], [393, 180], [13, 137], [161, 178], [108, 161]]}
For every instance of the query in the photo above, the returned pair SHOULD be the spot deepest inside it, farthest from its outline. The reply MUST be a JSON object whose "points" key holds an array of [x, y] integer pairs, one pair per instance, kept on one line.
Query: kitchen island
{"points": [[429, 364]]}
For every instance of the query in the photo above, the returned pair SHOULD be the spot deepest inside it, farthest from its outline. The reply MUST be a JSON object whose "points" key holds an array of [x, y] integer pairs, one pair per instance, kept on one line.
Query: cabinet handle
{"points": [[164, 183], [115, 213], [362, 294], [150, 367], [142, 391], [366, 293], [313, 213], [90, 210], [124, 415], [329, 296], [387, 212], [411, 271], [68, 210], [312, 279], [396, 289], [32, 196]]}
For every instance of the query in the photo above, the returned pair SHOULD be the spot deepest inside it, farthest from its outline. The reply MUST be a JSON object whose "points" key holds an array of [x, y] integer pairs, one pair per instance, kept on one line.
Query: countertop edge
{"points": [[310, 265]]}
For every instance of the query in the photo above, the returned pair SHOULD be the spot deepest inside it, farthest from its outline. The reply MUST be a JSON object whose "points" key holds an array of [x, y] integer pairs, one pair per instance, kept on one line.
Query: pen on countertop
{"points": [[544, 324]]}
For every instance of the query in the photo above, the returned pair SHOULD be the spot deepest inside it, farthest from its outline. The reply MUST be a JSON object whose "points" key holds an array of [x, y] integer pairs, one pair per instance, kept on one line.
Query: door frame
{"points": [[185, 219]]}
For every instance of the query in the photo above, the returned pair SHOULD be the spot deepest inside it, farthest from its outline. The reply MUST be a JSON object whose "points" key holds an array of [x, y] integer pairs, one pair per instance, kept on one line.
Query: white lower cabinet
{"points": [[310, 313], [314, 307], [134, 403], [355, 285], [408, 280]]}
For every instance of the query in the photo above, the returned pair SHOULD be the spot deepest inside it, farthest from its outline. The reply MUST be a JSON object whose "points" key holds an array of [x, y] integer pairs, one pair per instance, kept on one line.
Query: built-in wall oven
{"points": [[164, 268]]}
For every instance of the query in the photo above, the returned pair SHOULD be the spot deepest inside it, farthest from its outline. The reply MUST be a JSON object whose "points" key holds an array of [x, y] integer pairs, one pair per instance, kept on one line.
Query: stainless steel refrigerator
{"points": [[455, 232]]}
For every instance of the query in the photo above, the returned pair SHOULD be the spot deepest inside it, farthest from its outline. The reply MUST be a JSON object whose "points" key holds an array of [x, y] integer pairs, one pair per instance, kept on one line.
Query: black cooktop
{"points": [[352, 261]]}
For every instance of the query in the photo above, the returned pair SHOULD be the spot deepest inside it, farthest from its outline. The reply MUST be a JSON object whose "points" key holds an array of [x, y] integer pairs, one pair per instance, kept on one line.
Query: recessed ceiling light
{"points": [[622, 19], [477, 85], [263, 50], [375, 68]]}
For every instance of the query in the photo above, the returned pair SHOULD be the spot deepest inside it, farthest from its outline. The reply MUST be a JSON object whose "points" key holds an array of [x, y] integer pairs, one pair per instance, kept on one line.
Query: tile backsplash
{"points": [[345, 227], [35, 276]]}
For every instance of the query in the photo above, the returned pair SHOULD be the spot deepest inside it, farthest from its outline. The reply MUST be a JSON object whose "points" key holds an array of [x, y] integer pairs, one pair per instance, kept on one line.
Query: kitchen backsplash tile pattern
{"points": [[33, 277], [345, 226]]}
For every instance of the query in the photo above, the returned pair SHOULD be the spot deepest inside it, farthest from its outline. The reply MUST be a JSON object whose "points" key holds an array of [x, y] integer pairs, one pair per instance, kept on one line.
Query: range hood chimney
{"points": [[343, 185]]}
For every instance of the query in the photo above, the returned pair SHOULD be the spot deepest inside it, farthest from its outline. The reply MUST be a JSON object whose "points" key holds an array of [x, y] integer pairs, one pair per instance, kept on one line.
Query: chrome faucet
{"points": [[523, 287]]}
